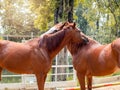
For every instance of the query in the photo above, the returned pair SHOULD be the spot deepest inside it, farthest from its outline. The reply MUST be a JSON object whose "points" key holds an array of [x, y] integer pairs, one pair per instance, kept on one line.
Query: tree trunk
{"points": [[58, 15], [60, 9], [70, 12], [62, 60]]}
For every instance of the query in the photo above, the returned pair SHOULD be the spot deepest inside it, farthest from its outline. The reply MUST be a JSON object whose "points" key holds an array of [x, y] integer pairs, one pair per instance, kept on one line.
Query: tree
{"points": [[46, 10], [16, 18], [43, 10], [63, 11], [82, 22], [102, 16]]}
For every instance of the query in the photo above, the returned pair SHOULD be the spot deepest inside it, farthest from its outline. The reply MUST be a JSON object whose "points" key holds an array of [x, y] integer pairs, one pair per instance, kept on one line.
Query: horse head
{"points": [[78, 36], [60, 35]]}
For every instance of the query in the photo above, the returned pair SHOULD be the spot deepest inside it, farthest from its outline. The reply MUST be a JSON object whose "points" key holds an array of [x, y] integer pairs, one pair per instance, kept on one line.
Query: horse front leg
{"points": [[89, 82], [0, 73], [81, 79], [41, 80]]}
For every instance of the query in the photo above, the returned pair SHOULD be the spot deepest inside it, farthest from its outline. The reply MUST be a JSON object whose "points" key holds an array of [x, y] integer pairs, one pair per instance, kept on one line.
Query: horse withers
{"points": [[35, 56]]}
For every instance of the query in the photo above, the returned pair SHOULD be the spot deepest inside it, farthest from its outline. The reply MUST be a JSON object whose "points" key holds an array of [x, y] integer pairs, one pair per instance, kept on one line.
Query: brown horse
{"points": [[35, 56], [93, 59]]}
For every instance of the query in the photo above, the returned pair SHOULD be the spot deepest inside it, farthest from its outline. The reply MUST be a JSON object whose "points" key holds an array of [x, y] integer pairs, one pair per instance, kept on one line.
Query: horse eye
{"points": [[55, 31]]}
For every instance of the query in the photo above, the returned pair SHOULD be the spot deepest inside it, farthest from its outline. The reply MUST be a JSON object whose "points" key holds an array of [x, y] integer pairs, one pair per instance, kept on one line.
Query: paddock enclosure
{"points": [[28, 82]]}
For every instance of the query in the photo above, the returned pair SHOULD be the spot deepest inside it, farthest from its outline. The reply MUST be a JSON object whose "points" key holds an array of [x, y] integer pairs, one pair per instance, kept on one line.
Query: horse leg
{"points": [[0, 73], [119, 60], [89, 82], [41, 80], [81, 79]]}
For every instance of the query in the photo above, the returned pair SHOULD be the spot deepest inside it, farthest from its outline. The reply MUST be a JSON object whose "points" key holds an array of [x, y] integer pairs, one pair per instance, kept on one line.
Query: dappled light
{"points": [[16, 17]]}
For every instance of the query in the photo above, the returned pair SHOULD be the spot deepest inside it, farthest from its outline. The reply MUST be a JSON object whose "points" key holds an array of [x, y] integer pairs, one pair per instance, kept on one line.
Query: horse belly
{"points": [[17, 61], [17, 66], [102, 71], [19, 70]]}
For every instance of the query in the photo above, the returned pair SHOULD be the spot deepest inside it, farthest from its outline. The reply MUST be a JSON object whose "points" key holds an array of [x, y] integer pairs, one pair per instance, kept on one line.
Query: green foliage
{"points": [[11, 79], [82, 22], [102, 35], [16, 79], [16, 17], [49, 76], [102, 17], [69, 77], [1, 38], [116, 73], [44, 10]]}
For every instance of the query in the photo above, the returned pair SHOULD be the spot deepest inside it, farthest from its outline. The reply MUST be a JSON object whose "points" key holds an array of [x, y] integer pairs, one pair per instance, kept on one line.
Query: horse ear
{"points": [[74, 24], [64, 24]]}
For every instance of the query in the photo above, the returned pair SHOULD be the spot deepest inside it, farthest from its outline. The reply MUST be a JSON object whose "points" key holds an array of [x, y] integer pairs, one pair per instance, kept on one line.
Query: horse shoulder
{"points": [[41, 57], [79, 61]]}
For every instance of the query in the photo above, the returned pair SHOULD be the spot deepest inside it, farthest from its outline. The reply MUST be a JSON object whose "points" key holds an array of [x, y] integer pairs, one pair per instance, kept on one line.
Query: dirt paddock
{"points": [[109, 86], [115, 87]]}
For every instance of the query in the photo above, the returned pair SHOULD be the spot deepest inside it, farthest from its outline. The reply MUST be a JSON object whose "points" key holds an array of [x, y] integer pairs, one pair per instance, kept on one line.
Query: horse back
{"points": [[116, 45], [116, 50]]}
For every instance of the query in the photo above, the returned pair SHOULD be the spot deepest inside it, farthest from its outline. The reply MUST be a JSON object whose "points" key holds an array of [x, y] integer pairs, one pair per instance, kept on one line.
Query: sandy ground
{"points": [[116, 87]]}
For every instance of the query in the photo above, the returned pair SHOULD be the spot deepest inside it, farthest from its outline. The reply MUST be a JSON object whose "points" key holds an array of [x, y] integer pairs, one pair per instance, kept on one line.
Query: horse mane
{"points": [[75, 47], [52, 41]]}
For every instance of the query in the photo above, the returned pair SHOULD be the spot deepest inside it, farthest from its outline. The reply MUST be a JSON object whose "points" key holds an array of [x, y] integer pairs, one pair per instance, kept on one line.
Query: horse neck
{"points": [[33, 42], [74, 48], [55, 42]]}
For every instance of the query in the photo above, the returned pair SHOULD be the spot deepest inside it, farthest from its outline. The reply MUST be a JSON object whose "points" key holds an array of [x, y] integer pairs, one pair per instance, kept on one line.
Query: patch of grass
{"points": [[117, 73]]}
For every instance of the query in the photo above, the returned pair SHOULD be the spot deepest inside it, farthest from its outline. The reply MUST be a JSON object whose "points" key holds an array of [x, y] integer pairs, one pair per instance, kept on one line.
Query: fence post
{"points": [[7, 37], [31, 35], [56, 59], [23, 40], [23, 79], [74, 75]]}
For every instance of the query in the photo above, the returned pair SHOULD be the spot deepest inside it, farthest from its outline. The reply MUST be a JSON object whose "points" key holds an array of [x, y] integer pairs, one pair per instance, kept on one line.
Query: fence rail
{"points": [[28, 81]]}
